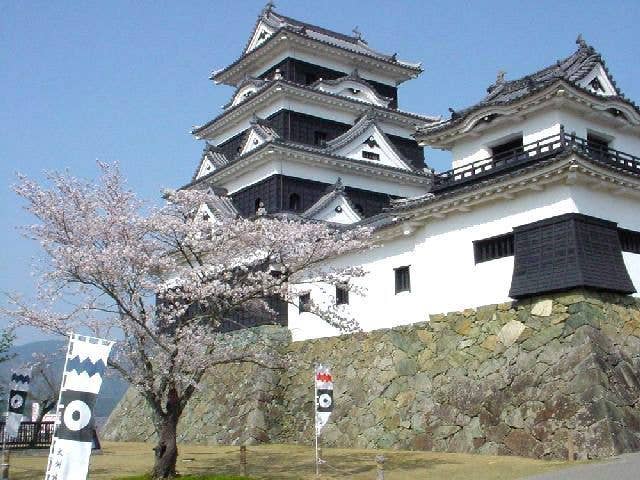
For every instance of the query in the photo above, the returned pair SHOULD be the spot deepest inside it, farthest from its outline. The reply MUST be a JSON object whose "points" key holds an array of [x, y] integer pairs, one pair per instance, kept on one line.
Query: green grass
{"points": [[189, 477]]}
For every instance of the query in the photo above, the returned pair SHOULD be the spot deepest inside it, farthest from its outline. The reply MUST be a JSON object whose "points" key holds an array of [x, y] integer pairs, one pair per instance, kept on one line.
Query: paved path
{"points": [[624, 467]]}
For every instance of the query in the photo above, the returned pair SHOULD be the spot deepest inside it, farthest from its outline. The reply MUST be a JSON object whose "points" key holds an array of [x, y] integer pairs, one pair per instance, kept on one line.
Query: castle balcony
{"points": [[537, 151]]}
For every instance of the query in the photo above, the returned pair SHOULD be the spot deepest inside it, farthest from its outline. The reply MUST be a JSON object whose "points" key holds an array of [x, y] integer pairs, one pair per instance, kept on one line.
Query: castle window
{"points": [[320, 138], [370, 155], [629, 240], [597, 145], [509, 149], [493, 248], [294, 202], [403, 279], [342, 294], [596, 86], [304, 303]]}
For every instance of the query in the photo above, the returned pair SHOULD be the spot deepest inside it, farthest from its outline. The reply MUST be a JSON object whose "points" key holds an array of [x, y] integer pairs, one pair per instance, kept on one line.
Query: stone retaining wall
{"points": [[515, 378]]}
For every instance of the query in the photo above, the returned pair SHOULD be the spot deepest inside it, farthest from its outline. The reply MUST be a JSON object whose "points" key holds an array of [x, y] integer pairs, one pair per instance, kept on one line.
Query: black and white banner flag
{"points": [[18, 389], [85, 365], [324, 397]]}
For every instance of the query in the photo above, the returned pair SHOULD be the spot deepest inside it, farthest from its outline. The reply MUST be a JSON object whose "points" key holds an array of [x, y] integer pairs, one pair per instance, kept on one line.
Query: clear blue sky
{"points": [[126, 80]]}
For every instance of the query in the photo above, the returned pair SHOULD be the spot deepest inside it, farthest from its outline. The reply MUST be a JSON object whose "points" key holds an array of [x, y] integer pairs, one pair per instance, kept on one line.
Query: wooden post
{"points": [[570, 447], [380, 467], [243, 460]]}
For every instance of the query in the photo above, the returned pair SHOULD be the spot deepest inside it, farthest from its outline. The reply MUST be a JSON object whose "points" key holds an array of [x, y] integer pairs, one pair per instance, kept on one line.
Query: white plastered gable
{"points": [[260, 35], [599, 82], [243, 94], [373, 141], [206, 167], [253, 141], [339, 210], [356, 90]]}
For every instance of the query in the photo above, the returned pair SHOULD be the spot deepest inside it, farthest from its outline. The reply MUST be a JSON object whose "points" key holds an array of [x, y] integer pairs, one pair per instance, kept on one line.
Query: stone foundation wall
{"points": [[515, 378]]}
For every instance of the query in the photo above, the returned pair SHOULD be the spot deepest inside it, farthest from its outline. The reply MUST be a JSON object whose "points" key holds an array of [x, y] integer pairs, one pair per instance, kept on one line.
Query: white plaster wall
{"points": [[444, 276], [319, 173], [538, 126], [534, 128]]}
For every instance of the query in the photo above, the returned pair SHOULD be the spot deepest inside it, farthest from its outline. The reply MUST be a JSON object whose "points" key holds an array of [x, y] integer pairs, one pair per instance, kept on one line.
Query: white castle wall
{"points": [[444, 276]]}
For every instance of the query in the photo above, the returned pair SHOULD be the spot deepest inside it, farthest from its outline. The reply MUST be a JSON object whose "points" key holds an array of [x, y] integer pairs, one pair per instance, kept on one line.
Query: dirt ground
{"points": [[296, 462]]}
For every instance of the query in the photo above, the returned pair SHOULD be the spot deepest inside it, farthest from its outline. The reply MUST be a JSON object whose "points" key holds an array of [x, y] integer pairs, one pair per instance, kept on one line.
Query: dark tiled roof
{"points": [[272, 83], [572, 69], [312, 150], [353, 43]]}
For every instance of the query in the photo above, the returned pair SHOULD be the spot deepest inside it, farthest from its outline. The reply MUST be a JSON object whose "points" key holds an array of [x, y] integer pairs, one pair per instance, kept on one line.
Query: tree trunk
{"points": [[166, 451], [45, 407]]}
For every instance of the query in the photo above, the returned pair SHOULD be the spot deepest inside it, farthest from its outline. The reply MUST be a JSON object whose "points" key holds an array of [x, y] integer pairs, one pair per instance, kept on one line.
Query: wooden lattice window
{"points": [[403, 279], [493, 248], [304, 303], [370, 155], [342, 294], [629, 240]]}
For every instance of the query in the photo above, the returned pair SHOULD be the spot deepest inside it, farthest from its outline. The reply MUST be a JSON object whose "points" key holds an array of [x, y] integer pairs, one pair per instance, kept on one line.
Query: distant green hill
{"points": [[113, 387]]}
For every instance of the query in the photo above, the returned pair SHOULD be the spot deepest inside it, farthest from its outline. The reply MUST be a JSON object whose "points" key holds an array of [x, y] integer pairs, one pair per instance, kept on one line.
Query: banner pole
{"points": [[4, 468], [55, 424], [315, 418]]}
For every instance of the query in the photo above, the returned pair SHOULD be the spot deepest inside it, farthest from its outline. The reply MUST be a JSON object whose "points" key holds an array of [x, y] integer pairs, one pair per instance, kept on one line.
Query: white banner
{"points": [[18, 389], [324, 397], [85, 365]]}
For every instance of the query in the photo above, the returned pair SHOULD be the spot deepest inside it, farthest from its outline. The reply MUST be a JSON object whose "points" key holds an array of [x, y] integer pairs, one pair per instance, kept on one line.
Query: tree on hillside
{"points": [[135, 273]]}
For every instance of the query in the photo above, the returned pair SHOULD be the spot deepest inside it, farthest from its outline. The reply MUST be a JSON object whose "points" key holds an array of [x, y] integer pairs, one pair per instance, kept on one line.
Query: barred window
{"points": [[403, 279], [370, 155], [342, 294], [304, 304], [493, 248], [629, 240]]}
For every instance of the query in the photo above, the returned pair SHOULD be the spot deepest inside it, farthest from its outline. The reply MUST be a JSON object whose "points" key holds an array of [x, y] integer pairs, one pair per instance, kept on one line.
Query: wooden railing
{"points": [[28, 437], [533, 152]]}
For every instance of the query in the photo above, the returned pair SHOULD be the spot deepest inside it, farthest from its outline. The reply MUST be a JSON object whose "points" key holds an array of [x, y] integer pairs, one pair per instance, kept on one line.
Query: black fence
{"points": [[533, 152], [29, 437]]}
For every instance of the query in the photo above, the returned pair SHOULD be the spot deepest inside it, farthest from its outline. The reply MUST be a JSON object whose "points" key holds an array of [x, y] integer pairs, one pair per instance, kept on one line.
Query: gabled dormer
{"points": [[599, 82], [355, 87], [259, 132], [334, 206], [366, 141], [212, 158], [247, 88]]}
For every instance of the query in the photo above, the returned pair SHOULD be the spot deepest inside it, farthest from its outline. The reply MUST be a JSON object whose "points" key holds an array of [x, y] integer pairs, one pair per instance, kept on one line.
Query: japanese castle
{"points": [[542, 195]]}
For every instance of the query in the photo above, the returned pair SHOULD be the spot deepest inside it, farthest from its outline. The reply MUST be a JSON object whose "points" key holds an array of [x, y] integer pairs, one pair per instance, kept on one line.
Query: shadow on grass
{"points": [[300, 463]]}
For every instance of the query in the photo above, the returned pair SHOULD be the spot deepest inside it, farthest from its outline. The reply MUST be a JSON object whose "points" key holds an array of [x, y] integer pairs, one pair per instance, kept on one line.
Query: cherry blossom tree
{"points": [[115, 267]]}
